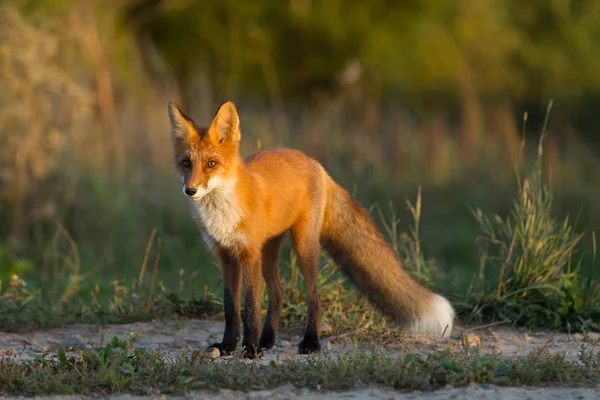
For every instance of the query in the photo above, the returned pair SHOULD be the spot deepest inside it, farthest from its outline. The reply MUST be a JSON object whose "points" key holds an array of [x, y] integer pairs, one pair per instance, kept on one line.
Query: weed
{"points": [[532, 254]]}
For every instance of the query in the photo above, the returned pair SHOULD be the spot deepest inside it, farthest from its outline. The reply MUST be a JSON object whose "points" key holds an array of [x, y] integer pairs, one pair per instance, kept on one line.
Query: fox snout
{"points": [[190, 191], [194, 192]]}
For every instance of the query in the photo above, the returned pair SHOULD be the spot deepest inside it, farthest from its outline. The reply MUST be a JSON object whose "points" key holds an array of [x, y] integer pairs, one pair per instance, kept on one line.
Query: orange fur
{"points": [[244, 207]]}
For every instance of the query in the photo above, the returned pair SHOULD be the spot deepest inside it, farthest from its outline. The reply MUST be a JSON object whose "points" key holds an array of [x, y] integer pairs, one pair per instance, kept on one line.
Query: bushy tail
{"points": [[352, 240]]}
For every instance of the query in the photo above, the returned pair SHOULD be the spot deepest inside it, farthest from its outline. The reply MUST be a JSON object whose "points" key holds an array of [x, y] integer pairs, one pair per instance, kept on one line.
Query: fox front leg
{"points": [[252, 278], [232, 273]]}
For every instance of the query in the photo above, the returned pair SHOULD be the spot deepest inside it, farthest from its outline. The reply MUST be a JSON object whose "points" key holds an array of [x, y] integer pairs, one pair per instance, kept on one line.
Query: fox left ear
{"points": [[226, 124], [181, 124]]}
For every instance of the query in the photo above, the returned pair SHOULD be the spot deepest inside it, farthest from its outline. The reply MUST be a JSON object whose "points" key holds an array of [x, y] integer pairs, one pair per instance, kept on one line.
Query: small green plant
{"points": [[532, 255], [407, 245], [11, 265]]}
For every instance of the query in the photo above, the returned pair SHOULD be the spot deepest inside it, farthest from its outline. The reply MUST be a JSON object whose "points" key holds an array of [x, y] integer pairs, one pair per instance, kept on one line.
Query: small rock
{"points": [[31, 354], [180, 344], [73, 342], [591, 337], [328, 345], [471, 339], [212, 352], [34, 344], [286, 389], [326, 329], [261, 394], [286, 344], [143, 345]]}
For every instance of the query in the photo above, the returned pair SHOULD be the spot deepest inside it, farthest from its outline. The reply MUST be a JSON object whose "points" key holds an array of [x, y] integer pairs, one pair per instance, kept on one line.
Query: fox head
{"points": [[206, 159]]}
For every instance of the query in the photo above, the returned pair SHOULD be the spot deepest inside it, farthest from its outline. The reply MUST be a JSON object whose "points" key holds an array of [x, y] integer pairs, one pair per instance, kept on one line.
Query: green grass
{"points": [[530, 270], [119, 367]]}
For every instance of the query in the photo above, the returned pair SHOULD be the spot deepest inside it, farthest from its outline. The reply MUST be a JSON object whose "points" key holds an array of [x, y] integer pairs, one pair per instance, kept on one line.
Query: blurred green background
{"points": [[388, 95]]}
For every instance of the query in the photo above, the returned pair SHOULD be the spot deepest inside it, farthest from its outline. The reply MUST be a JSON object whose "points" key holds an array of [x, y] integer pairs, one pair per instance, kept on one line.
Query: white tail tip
{"points": [[436, 321]]}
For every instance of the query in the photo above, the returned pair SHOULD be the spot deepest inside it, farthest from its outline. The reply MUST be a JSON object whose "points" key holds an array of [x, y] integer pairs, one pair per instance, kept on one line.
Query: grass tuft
{"points": [[530, 272]]}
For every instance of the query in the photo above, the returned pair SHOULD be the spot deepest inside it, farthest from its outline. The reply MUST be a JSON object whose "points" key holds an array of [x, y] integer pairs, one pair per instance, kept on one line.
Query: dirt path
{"points": [[177, 336], [289, 392]]}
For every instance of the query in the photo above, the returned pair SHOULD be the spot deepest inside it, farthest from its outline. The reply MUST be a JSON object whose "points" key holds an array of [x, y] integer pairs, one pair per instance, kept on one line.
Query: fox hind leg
{"points": [[306, 243]]}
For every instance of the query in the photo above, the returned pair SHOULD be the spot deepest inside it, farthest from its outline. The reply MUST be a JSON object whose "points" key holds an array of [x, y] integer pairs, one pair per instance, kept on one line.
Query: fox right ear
{"points": [[181, 124]]}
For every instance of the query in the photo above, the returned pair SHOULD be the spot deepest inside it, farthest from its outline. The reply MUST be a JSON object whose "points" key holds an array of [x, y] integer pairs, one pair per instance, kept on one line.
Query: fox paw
{"points": [[267, 339], [309, 345], [225, 349], [251, 351]]}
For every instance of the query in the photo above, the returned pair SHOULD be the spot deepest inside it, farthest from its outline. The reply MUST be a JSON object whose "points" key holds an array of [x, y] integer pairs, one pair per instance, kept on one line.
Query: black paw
{"points": [[251, 351], [224, 348], [267, 339], [309, 345]]}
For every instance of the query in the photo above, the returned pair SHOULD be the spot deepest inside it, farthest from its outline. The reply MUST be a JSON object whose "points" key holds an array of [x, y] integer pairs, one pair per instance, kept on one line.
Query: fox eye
{"points": [[186, 164], [212, 164]]}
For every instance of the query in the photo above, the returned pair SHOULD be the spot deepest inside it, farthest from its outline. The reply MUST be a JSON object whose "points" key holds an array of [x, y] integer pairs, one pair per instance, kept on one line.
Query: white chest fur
{"points": [[219, 214]]}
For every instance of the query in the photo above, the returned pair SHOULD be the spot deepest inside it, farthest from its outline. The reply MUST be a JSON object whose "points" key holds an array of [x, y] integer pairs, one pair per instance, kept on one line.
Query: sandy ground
{"points": [[177, 336], [285, 392]]}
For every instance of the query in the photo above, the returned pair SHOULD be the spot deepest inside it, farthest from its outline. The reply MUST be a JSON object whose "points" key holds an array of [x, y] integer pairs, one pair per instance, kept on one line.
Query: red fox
{"points": [[244, 207]]}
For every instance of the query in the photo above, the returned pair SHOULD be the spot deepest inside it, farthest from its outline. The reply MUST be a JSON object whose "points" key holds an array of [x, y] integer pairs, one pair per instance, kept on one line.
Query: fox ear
{"points": [[181, 124], [226, 124]]}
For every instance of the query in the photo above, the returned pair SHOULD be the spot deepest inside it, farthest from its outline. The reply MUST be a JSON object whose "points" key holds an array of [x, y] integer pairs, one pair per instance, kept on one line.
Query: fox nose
{"points": [[190, 191]]}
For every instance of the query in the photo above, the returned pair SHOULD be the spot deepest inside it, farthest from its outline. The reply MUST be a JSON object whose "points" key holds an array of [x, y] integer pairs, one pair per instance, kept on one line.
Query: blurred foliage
{"points": [[11, 265], [417, 47]]}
